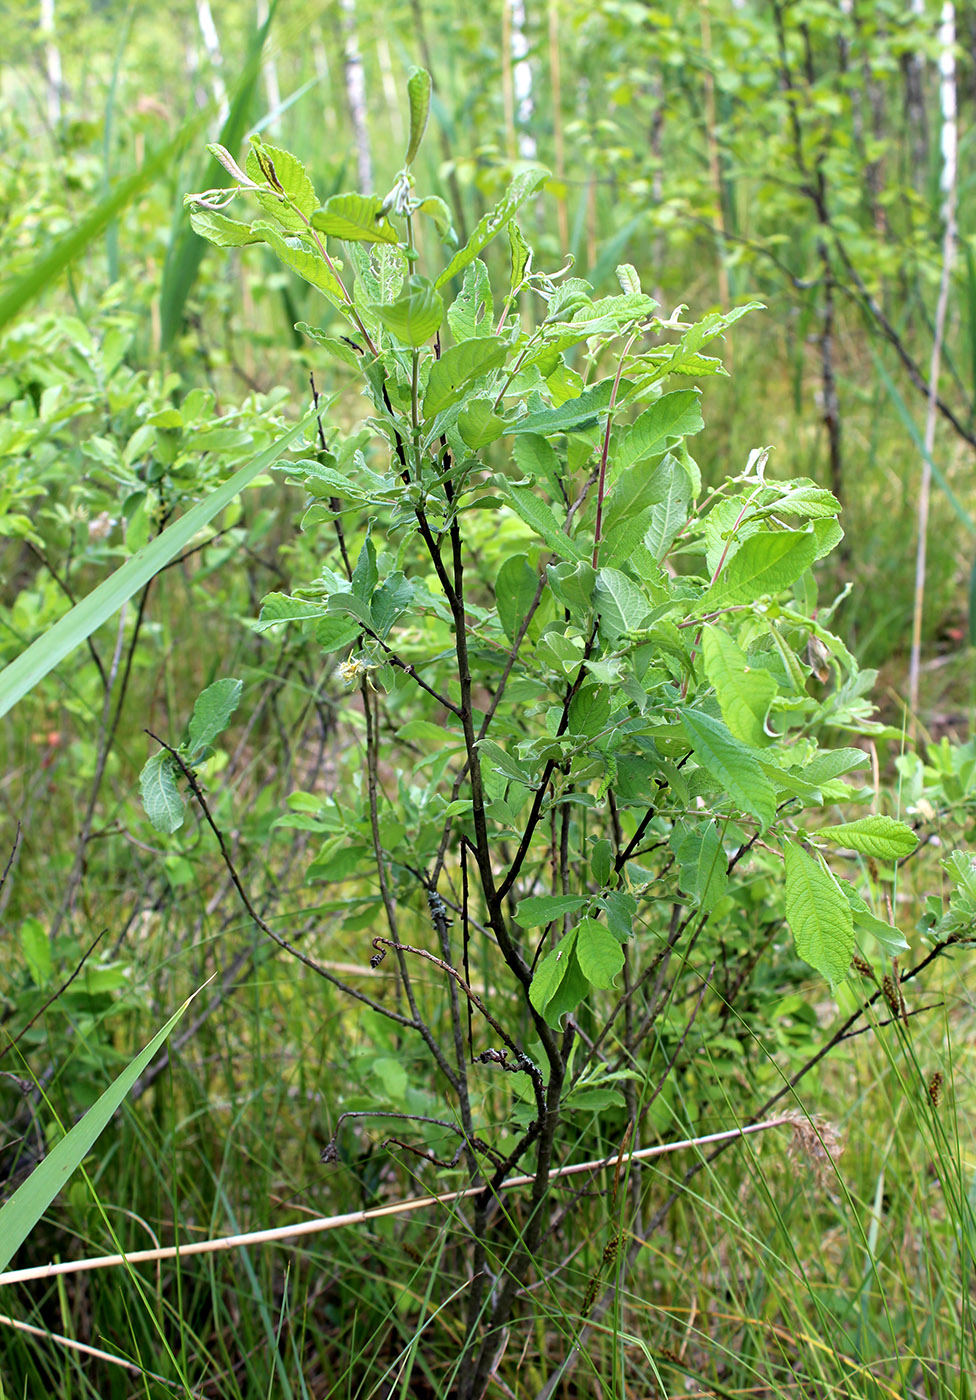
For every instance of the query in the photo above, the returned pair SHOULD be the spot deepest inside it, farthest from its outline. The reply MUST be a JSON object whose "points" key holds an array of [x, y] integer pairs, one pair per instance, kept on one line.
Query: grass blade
{"points": [[20, 1214], [48, 268], [186, 248], [43, 655], [909, 422]]}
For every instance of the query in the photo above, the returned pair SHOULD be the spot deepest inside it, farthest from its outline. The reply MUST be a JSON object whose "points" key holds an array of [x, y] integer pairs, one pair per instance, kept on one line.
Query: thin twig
{"points": [[55, 995], [265, 928]]}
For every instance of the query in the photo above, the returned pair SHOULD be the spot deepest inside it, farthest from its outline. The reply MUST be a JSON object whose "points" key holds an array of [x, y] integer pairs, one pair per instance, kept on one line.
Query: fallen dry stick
{"points": [[362, 1217]]}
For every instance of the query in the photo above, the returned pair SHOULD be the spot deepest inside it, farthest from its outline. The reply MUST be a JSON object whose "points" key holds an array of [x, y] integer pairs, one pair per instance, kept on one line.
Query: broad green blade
{"points": [[186, 248], [47, 268], [85, 617], [909, 422], [21, 1213]]}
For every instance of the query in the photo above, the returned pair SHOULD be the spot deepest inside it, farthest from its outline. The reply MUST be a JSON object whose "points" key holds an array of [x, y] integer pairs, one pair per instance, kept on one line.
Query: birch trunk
{"points": [[268, 70], [947, 104], [914, 69], [211, 42], [522, 76], [714, 166], [555, 79], [356, 96], [52, 63]]}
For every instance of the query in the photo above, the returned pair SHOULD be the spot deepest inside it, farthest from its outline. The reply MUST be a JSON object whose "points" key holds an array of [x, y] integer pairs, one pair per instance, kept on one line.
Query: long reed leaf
{"points": [[903, 413], [42, 656], [186, 249], [20, 1214], [46, 269]]}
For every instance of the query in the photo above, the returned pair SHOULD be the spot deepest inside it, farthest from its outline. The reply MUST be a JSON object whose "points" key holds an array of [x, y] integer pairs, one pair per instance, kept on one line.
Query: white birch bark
{"points": [[269, 71], [949, 142], [522, 81], [356, 96], [914, 68], [52, 63], [211, 42]]}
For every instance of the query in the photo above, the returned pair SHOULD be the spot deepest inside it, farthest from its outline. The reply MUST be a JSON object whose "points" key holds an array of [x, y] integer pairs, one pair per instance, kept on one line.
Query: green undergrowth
{"points": [[828, 1256]]}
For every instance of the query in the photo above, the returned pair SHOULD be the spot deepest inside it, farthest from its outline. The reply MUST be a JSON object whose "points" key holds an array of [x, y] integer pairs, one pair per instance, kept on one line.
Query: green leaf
{"points": [[457, 366], [440, 215], [70, 631], [673, 415], [23, 1210], [572, 416], [36, 946], [572, 585], [212, 711], [161, 798], [744, 693], [416, 315], [704, 867], [471, 313], [668, 516], [828, 764], [621, 604], [221, 231], [283, 172], [621, 909], [540, 518], [281, 607], [535, 457], [601, 861], [352, 604], [558, 985], [393, 597], [521, 256], [893, 941], [503, 763], [599, 953], [479, 424], [732, 763], [765, 563], [515, 589], [819, 915], [878, 836], [540, 909], [804, 498], [356, 218], [430, 736], [339, 348], [365, 575], [307, 264], [589, 710], [418, 95], [392, 1077], [334, 633], [522, 188], [307, 469], [633, 492]]}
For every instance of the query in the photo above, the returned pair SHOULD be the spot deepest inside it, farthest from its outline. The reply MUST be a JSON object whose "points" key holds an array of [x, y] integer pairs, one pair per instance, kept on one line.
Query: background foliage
{"points": [[731, 152]]}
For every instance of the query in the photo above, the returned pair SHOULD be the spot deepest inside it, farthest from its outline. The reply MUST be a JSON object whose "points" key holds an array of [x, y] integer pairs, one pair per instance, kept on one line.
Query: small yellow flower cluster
{"points": [[351, 672]]}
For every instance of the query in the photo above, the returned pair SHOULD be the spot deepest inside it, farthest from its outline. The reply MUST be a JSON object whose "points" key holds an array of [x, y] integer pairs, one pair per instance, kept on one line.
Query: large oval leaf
{"points": [[819, 915], [878, 836], [732, 763]]}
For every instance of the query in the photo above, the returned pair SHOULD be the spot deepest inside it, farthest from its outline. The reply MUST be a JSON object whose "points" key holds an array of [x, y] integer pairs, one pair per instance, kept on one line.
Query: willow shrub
{"points": [[603, 696]]}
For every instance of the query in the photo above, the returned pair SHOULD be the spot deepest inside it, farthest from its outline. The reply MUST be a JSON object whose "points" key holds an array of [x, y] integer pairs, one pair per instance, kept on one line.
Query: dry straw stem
{"points": [[96, 1352], [362, 1217]]}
